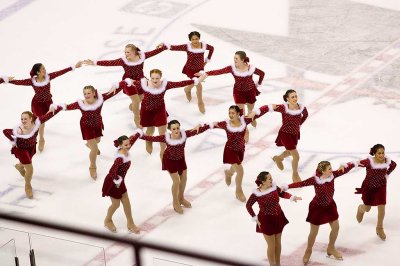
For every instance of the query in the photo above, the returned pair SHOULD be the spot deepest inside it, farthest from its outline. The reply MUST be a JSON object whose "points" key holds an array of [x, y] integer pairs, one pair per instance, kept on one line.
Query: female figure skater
{"points": [[153, 113], [114, 183], [133, 68], [373, 188], [293, 116], [41, 101], [195, 63], [235, 128], [23, 140], [322, 208], [91, 121], [173, 159], [270, 220]]}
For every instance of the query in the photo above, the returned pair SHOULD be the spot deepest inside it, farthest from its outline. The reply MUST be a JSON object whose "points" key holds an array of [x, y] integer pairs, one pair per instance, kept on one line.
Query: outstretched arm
{"points": [[56, 74], [198, 130], [116, 88], [137, 134], [308, 182], [49, 114], [221, 71], [115, 62], [344, 169], [156, 51], [258, 113], [160, 138], [181, 47], [178, 84], [21, 82]]}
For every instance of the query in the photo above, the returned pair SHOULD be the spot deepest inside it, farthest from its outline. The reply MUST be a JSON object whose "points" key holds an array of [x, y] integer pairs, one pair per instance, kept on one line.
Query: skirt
{"points": [[111, 190], [190, 72], [24, 155], [372, 196], [271, 224], [173, 166], [243, 97], [289, 141], [232, 156], [89, 132], [153, 118], [40, 108], [318, 214]]}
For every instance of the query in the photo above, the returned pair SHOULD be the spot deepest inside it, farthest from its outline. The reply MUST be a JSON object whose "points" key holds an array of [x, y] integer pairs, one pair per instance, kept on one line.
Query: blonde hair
{"points": [[90, 87], [322, 166], [156, 71], [30, 114], [133, 47]]}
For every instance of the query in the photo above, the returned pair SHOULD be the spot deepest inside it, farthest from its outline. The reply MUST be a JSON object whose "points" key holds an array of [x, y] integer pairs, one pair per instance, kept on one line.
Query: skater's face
{"points": [[237, 60], [268, 181], [292, 98], [129, 53], [155, 79], [195, 40], [327, 171], [88, 94], [175, 130], [42, 72], [26, 119], [380, 154], [233, 115], [126, 145]]}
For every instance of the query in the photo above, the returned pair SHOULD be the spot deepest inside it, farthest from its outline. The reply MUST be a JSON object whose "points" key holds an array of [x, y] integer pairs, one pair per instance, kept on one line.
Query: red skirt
{"points": [[153, 118], [190, 72], [245, 97], [289, 141], [111, 190], [271, 224], [232, 156], [132, 90], [24, 155], [173, 166], [372, 196], [40, 108], [318, 214], [89, 132]]}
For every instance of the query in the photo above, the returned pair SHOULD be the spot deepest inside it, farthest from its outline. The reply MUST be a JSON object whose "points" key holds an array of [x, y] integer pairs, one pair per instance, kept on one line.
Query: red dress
{"points": [[174, 155], [289, 133], [270, 216], [42, 99], [373, 188], [117, 173], [152, 111], [322, 208], [91, 121], [235, 144], [195, 57], [244, 90], [24, 146], [4, 80], [133, 70]]}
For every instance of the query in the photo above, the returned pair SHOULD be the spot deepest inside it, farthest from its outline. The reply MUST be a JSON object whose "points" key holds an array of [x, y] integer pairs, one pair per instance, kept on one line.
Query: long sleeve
{"points": [[210, 49], [107, 95], [23, 82], [304, 115], [8, 133], [259, 112], [154, 52], [363, 163], [72, 106], [283, 194], [178, 84], [114, 168], [391, 167], [249, 205], [191, 133], [308, 182], [221, 71], [55, 74], [221, 125], [115, 62], [49, 115], [134, 138], [160, 138], [261, 75], [347, 169], [181, 47]]}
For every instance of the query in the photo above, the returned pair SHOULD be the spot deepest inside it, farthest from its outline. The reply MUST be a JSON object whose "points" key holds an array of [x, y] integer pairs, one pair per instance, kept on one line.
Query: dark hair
{"points": [[243, 56], [193, 33], [235, 107], [173, 122], [322, 167], [261, 178], [375, 148], [119, 140], [286, 95], [35, 69]]}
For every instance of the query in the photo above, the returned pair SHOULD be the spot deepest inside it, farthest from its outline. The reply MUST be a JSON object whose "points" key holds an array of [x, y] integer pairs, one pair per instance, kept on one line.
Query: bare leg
{"points": [[108, 222], [361, 210], [188, 92], [278, 249], [310, 243], [128, 213], [161, 131], [41, 137], [295, 165], [149, 144], [175, 192], [21, 169], [28, 180], [239, 179], [200, 102], [379, 225], [92, 143], [250, 107], [331, 250], [135, 108], [182, 186], [271, 249]]}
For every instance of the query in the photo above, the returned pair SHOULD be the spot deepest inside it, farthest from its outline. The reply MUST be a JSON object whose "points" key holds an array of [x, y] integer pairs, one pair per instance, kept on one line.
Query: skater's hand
{"points": [[215, 124], [341, 168], [196, 128], [10, 78], [112, 90], [251, 115], [79, 64], [295, 199], [88, 62], [160, 45], [197, 74], [202, 77], [258, 223]]}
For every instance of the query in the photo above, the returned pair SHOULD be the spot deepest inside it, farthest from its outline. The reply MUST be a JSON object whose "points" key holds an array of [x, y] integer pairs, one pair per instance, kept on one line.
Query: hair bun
{"points": [[116, 144]]}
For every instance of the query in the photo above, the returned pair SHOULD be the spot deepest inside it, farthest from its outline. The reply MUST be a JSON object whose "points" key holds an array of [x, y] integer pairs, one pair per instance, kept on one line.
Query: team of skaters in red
{"points": [[149, 109]]}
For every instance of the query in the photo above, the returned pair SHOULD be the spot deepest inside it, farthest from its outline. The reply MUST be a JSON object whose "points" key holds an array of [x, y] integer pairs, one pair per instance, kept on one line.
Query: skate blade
{"points": [[333, 257]]}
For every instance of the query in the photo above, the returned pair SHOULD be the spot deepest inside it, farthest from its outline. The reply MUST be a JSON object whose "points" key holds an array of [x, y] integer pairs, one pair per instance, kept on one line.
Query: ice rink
{"points": [[342, 57]]}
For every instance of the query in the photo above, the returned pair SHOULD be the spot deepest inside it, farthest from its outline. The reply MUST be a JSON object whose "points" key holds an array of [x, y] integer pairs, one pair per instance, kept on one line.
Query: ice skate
{"points": [[381, 233], [360, 213], [178, 209], [110, 225], [306, 257], [278, 161], [188, 93], [254, 123], [201, 106], [228, 177], [186, 203], [296, 177], [20, 169], [149, 147], [334, 254], [133, 228], [93, 172], [240, 196]]}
